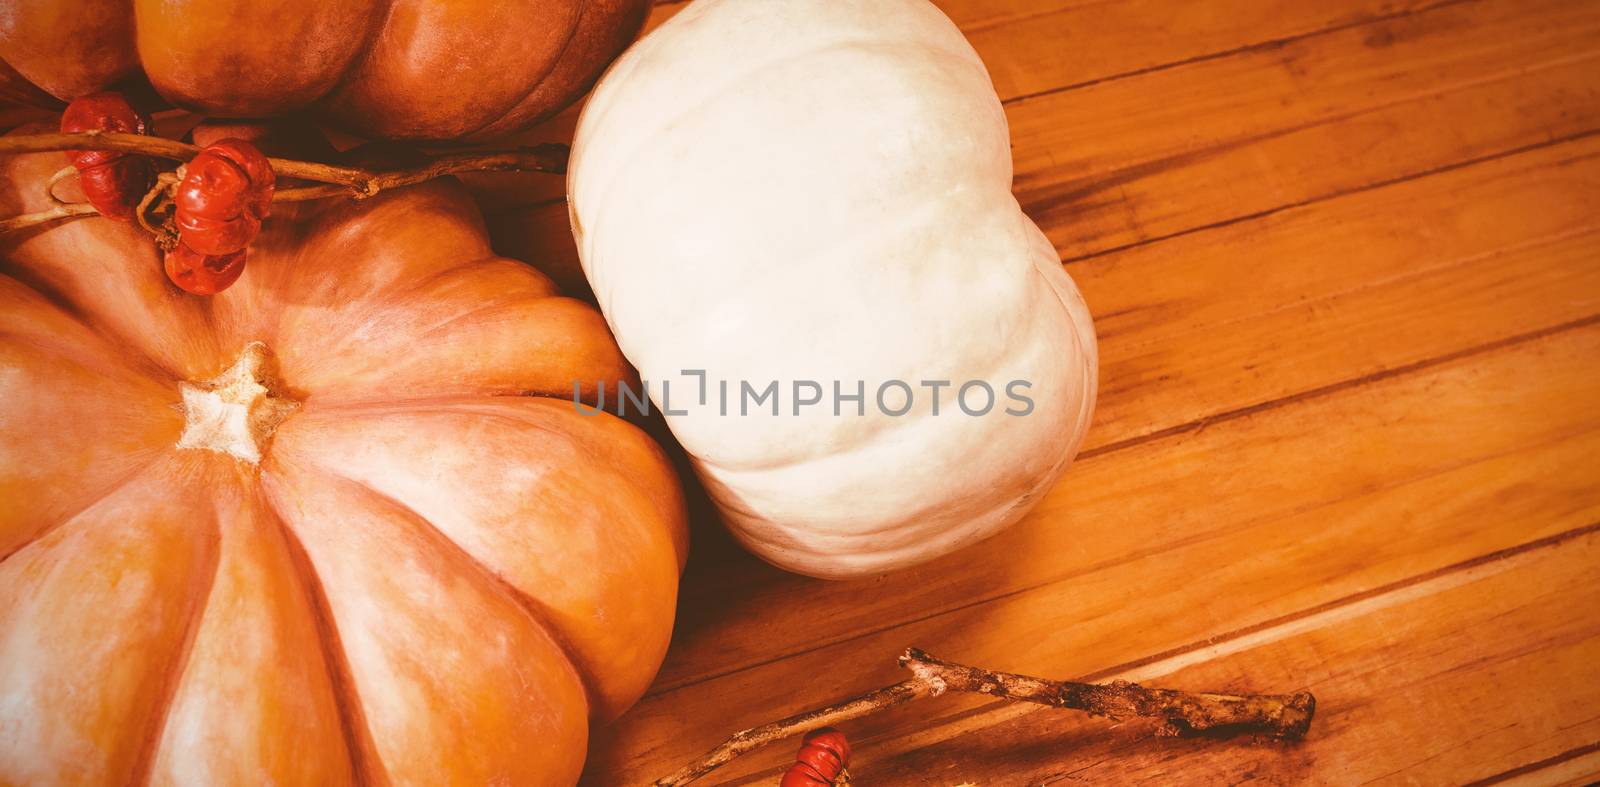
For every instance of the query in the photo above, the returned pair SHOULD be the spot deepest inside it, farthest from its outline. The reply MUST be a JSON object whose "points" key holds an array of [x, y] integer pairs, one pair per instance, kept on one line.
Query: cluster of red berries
{"points": [[225, 192]]}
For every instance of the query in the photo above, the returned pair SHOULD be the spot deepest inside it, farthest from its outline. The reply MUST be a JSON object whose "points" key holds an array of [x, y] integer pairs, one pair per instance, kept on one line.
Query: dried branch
{"points": [[360, 183], [334, 180], [1285, 716], [363, 182], [67, 210], [159, 200], [50, 186], [160, 147]]}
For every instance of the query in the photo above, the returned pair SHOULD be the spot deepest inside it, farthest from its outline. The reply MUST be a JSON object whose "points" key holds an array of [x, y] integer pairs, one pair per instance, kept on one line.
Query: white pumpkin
{"points": [[818, 190]]}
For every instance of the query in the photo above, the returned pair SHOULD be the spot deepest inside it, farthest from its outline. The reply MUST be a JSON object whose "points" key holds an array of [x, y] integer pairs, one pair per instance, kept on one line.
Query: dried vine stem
{"points": [[333, 180], [159, 198], [67, 210], [68, 171], [539, 158], [360, 183], [1284, 716], [99, 140]]}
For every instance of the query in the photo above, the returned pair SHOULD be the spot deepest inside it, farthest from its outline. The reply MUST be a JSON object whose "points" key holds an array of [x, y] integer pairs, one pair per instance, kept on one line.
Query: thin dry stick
{"points": [[1284, 716], [68, 210], [335, 180], [99, 140], [539, 158], [363, 183], [157, 198], [50, 186]]}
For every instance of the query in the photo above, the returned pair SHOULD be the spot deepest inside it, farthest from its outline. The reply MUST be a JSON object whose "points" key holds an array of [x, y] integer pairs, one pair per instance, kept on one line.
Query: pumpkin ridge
{"points": [[541, 422], [429, 538], [131, 360], [927, 215], [162, 572], [721, 89], [354, 366], [145, 763], [351, 103], [532, 607], [133, 474], [644, 142], [532, 86], [205, 66], [476, 309], [365, 764], [375, 30]]}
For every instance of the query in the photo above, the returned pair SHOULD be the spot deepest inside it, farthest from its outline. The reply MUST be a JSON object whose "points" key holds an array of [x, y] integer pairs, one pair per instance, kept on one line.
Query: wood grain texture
{"points": [[1344, 260]]}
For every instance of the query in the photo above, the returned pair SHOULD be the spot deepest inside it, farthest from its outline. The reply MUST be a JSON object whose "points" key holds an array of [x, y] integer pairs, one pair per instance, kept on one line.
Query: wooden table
{"points": [[1344, 260]]}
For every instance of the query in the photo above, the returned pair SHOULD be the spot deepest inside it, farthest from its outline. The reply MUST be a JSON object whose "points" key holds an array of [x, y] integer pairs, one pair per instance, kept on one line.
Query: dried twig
{"points": [[157, 200], [50, 186], [1278, 715], [160, 147], [333, 180], [67, 210], [360, 183]]}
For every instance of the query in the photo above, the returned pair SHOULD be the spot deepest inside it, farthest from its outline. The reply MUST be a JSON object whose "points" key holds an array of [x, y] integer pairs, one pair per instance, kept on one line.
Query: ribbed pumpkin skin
{"points": [[431, 577], [821, 190], [394, 69]]}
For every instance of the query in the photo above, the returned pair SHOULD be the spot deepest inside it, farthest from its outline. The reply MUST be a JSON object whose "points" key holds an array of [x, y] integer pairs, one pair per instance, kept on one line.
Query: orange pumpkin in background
{"points": [[341, 522], [395, 69]]}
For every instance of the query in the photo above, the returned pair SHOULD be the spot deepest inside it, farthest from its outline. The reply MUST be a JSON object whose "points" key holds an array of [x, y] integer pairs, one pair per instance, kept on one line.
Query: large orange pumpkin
{"points": [[340, 523], [412, 69]]}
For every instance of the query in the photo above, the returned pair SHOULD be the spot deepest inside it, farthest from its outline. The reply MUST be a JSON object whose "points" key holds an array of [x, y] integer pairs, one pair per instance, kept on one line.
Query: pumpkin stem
{"points": [[236, 412]]}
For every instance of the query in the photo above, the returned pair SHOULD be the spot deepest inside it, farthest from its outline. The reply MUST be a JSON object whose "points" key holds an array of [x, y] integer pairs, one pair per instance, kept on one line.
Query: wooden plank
{"points": [[1510, 249], [1393, 483], [1574, 767], [1120, 163], [1036, 46], [1438, 682], [1032, 48], [1219, 321]]}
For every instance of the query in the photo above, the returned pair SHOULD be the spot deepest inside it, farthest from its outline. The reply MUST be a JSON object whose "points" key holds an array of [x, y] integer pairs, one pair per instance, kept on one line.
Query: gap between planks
{"points": [[1342, 385], [1333, 195], [1258, 46], [1573, 766], [665, 9]]}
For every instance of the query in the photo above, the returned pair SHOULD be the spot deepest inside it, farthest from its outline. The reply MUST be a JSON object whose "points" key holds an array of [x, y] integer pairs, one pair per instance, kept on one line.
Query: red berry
{"points": [[203, 274], [822, 757], [113, 182], [225, 193]]}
